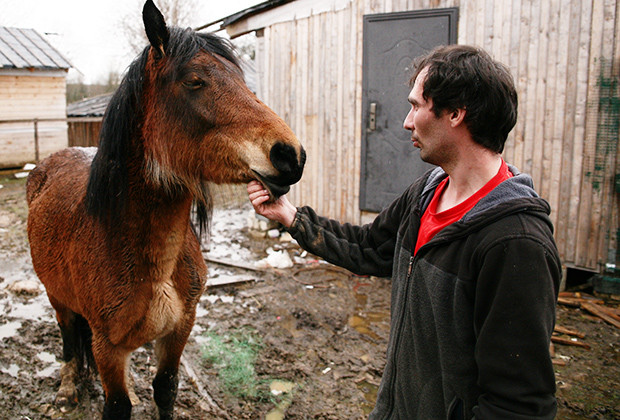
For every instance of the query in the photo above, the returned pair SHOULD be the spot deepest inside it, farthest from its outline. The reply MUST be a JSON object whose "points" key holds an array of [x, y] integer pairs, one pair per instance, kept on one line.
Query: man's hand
{"points": [[280, 210]]}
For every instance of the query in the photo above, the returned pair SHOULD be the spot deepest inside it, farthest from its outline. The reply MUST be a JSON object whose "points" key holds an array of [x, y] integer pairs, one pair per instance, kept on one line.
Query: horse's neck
{"points": [[157, 229]]}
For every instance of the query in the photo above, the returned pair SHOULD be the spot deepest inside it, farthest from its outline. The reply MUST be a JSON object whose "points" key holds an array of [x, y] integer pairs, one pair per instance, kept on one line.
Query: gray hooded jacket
{"points": [[471, 313]]}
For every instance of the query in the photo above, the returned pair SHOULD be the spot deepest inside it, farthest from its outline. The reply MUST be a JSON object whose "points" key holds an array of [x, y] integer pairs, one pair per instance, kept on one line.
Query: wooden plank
{"points": [[569, 342], [315, 105], [479, 28], [356, 151], [597, 310], [339, 114], [579, 162], [521, 81], [589, 211], [511, 59], [568, 331], [348, 205], [557, 175], [531, 134], [565, 225]]}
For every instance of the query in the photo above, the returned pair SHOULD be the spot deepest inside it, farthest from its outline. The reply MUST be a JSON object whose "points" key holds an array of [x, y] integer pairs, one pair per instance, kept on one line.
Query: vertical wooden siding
{"points": [[84, 133], [565, 57]]}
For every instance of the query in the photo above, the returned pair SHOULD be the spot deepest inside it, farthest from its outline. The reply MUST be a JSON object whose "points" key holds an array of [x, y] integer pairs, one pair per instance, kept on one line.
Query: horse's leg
{"points": [[111, 363], [67, 393], [135, 400], [168, 351]]}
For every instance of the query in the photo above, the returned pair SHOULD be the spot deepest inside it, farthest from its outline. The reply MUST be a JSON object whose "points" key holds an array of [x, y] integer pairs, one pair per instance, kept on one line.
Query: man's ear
{"points": [[457, 117], [155, 27]]}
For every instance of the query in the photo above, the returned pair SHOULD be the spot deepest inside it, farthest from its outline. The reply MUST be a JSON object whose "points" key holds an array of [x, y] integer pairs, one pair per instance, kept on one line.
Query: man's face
{"points": [[428, 132]]}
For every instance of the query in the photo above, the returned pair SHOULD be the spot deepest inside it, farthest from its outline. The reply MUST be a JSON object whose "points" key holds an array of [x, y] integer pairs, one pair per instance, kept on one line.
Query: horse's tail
{"points": [[82, 346]]}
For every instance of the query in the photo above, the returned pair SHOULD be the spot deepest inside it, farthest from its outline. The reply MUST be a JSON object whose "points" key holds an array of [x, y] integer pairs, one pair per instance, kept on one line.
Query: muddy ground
{"points": [[320, 333]]}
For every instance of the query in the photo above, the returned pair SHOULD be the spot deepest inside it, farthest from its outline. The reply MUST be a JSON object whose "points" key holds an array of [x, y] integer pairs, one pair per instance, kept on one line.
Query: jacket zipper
{"points": [[398, 337]]}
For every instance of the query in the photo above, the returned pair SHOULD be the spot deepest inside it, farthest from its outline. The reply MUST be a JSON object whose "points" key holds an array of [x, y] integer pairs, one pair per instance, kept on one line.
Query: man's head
{"points": [[467, 78]]}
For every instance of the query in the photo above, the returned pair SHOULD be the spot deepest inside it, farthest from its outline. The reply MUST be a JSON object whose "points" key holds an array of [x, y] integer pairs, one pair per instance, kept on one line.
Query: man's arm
{"points": [[367, 249], [514, 318]]}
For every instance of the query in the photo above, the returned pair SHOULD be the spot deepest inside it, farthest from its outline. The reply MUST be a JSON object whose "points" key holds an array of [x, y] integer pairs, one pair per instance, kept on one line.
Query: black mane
{"points": [[107, 190]]}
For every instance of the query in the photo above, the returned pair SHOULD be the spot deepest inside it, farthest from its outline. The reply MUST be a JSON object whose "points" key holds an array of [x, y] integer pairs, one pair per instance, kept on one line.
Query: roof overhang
{"points": [[33, 72], [277, 11]]}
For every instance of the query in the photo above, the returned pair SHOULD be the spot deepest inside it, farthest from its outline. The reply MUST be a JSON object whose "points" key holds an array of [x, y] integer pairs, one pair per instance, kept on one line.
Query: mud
{"points": [[323, 335]]}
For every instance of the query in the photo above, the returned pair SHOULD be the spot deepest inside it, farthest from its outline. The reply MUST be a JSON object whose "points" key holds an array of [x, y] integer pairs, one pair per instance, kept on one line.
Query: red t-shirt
{"points": [[432, 222]]}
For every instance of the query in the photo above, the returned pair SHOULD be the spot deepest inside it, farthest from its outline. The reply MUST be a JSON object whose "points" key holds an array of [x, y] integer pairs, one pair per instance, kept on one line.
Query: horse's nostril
{"points": [[284, 158]]}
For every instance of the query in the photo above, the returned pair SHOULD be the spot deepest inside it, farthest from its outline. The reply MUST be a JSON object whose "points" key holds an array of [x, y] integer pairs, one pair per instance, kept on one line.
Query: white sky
{"points": [[87, 32]]}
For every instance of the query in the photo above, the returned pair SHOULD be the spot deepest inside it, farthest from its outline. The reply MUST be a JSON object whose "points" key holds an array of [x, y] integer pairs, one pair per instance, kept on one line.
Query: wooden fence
{"points": [[82, 131]]}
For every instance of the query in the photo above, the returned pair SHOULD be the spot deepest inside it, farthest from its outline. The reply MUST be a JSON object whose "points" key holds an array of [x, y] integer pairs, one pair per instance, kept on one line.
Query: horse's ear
{"points": [[155, 27]]}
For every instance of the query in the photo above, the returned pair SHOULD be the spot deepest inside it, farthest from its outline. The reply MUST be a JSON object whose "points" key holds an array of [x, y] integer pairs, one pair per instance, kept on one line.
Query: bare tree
{"points": [[177, 13]]}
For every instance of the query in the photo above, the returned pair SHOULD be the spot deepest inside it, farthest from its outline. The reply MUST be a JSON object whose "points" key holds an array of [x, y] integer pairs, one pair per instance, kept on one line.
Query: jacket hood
{"points": [[514, 194]]}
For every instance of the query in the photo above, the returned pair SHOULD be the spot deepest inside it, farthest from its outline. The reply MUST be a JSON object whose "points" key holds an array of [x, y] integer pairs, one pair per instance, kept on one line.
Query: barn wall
{"points": [[29, 97], [84, 132], [564, 55]]}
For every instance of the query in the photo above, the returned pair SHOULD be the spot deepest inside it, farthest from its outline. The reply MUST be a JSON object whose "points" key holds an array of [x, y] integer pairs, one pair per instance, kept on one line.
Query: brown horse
{"points": [[111, 237]]}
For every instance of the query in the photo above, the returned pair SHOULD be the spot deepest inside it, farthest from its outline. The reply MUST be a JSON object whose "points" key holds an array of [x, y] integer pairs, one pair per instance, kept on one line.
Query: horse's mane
{"points": [[107, 190]]}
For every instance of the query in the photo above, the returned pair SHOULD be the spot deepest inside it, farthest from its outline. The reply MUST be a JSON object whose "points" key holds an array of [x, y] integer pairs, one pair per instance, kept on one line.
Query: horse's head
{"points": [[200, 120]]}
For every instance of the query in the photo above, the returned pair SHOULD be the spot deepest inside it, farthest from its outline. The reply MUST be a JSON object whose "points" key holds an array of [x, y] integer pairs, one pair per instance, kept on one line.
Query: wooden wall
{"points": [[564, 55], [84, 131], [28, 97]]}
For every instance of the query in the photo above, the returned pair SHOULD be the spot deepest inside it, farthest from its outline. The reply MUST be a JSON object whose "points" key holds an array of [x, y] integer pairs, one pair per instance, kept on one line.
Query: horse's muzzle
{"points": [[289, 166]]}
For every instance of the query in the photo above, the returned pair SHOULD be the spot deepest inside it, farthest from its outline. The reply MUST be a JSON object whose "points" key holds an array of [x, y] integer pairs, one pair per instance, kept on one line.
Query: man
{"points": [[469, 247]]}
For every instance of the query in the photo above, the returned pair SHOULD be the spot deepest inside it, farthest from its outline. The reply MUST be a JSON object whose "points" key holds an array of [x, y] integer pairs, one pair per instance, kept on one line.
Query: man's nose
{"points": [[408, 123]]}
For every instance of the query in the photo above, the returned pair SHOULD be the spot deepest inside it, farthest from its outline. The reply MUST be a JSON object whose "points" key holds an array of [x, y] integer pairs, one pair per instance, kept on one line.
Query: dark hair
{"points": [[466, 77]]}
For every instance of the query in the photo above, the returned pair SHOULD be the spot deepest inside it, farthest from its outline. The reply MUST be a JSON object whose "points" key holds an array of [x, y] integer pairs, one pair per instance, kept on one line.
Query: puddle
{"points": [[362, 326], [9, 329], [363, 321], [370, 395], [288, 322]]}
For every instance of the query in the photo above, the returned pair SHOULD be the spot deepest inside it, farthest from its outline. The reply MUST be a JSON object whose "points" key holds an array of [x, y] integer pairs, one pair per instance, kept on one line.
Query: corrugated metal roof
{"points": [[27, 49], [90, 107]]}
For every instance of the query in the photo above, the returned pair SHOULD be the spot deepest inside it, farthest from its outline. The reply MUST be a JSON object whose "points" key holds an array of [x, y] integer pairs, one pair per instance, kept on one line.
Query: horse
{"points": [[109, 228]]}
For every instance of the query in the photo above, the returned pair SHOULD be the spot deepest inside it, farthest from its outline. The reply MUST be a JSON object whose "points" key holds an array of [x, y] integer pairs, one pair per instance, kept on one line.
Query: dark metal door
{"points": [[390, 163]]}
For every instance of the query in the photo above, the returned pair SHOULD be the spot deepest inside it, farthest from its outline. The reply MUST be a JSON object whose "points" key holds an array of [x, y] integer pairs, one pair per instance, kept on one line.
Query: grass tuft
{"points": [[234, 356]]}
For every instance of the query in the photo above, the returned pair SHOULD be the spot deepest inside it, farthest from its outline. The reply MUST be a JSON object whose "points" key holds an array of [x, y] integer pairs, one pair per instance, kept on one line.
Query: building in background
{"points": [[32, 97]]}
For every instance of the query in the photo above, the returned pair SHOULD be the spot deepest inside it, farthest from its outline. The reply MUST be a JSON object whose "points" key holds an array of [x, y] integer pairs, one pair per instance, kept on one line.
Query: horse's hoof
{"points": [[166, 416], [66, 398]]}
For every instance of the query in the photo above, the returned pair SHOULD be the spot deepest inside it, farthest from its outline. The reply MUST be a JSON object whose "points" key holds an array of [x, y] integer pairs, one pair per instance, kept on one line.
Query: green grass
{"points": [[234, 355]]}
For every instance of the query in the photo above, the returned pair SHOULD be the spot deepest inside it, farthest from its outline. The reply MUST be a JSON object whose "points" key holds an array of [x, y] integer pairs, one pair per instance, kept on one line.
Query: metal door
{"points": [[390, 163]]}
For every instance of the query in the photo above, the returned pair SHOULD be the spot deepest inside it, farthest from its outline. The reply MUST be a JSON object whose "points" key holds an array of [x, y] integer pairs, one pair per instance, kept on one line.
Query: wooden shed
{"points": [[336, 70], [32, 97], [84, 118]]}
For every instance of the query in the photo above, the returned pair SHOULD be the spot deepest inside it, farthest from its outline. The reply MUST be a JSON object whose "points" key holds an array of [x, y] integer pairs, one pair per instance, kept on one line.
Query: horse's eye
{"points": [[194, 84]]}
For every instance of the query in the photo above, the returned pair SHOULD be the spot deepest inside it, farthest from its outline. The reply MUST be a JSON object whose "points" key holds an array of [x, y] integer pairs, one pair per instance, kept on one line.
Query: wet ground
{"points": [[320, 336]]}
